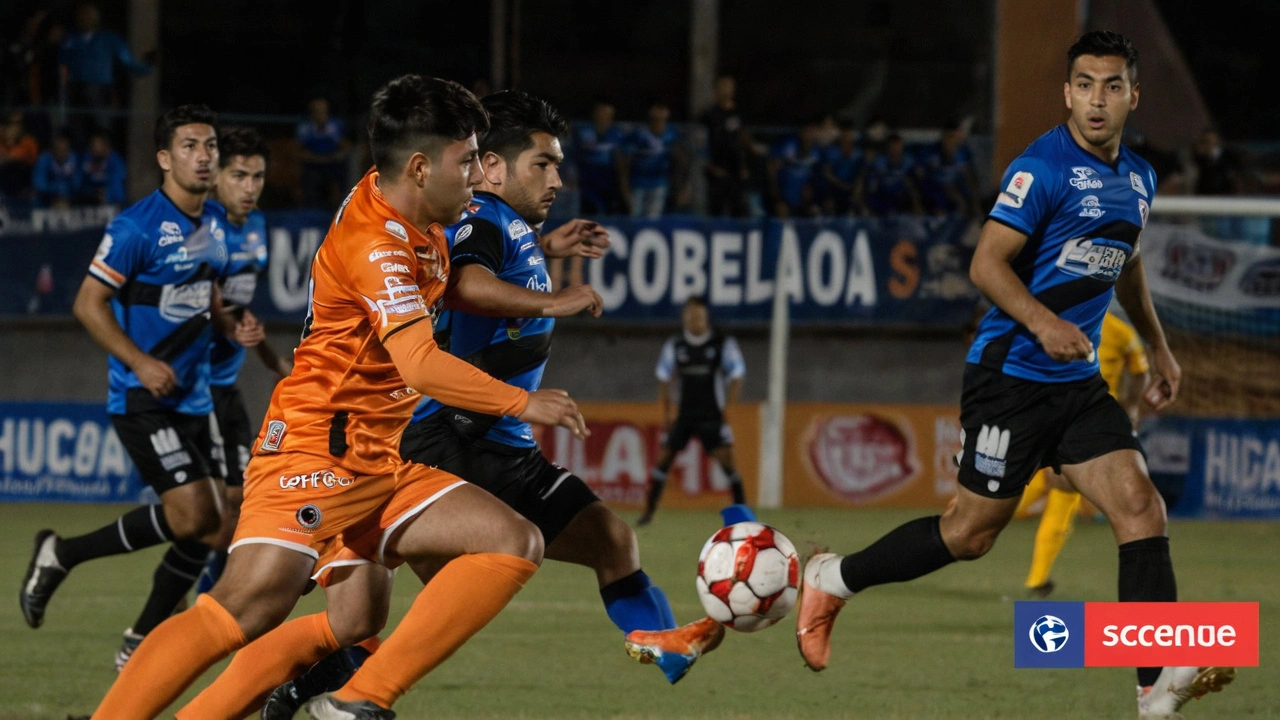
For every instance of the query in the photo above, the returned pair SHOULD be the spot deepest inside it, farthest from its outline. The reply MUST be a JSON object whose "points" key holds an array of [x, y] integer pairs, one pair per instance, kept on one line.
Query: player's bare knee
{"points": [[351, 628], [621, 552], [522, 539], [970, 544], [195, 523]]}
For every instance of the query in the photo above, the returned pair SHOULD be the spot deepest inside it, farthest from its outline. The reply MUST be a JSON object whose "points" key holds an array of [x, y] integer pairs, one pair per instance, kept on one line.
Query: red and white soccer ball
{"points": [[748, 576]]}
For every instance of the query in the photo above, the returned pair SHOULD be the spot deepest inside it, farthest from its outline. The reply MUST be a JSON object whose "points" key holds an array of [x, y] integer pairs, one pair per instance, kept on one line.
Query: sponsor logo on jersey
{"points": [[1089, 207], [1086, 178], [377, 255], [989, 454], [861, 457], [182, 302], [403, 393], [275, 434], [314, 481], [533, 283], [1016, 192], [535, 260], [526, 246], [309, 517], [397, 229], [1136, 181], [238, 289], [464, 232], [517, 229], [1093, 257], [390, 267], [170, 233]]}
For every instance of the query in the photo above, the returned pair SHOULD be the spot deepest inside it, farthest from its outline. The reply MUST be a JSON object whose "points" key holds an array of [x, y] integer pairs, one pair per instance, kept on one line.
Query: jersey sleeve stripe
{"points": [[106, 274], [402, 326]]}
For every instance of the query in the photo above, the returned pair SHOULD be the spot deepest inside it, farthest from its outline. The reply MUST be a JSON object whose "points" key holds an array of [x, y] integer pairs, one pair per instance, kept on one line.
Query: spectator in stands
{"points": [[793, 169], [598, 147], [18, 62], [890, 181], [1219, 170], [18, 153], [102, 172], [728, 151], [88, 60], [322, 147], [841, 167], [949, 184], [1169, 171], [651, 152], [57, 175]]}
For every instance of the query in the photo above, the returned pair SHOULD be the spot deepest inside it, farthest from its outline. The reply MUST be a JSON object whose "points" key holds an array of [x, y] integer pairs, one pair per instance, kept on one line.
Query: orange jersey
{"points": [[374, 274]]}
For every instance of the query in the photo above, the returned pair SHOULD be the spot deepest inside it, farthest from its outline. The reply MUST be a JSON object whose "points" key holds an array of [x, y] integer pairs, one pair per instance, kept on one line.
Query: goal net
{"points": [[1213, 265]]}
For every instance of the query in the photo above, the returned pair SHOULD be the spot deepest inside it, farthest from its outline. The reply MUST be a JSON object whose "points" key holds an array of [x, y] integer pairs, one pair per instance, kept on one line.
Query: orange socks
{"points": [[172, 657], [462, 598], [273, 659]]}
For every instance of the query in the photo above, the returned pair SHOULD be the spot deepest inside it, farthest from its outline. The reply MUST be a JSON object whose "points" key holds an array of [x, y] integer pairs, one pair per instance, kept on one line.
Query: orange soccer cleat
{"points": [[817, 615], [675, 651]]}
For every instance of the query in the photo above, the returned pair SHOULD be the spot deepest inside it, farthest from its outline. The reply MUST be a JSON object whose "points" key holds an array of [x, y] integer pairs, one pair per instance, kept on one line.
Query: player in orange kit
{"points": [[327, 481]]}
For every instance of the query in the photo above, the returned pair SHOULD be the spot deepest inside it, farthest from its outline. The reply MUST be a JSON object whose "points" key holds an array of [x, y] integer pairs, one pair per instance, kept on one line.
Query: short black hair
{"points": [[514, 116], [169, 123], [1104, 43], [413, 113], [243, 141]]}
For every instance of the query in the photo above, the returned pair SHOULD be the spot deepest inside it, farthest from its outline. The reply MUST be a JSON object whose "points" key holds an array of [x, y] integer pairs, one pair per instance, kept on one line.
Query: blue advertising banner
{"points": [[900, 271], [64, 452], [1220, 467], [908, 271]]}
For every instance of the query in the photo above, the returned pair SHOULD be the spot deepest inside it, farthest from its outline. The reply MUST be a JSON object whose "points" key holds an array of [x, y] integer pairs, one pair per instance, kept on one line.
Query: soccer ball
{"points": [[748, 576]]}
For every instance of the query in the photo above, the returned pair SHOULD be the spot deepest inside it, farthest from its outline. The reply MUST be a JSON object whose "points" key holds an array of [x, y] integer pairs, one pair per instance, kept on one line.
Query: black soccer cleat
{"points": [[327, 707], [44, 575], [325, 676]]}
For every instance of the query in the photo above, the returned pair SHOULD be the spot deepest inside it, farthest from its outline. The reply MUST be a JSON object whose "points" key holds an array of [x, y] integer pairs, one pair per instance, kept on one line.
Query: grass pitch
{"points": [[940, 647]]}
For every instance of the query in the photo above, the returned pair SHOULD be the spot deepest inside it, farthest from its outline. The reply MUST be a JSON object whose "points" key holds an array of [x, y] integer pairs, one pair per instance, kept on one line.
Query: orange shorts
{"points": [[318, 508]]}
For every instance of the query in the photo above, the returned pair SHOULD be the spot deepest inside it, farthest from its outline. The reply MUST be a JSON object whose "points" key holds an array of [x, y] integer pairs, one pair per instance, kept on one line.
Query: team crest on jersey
{"points": [[396, 229], [1136, 181], [1097, 258], [170, 233], [1090, 208], [1086, 178], [275, 435], [517, 228], [464, 232]]}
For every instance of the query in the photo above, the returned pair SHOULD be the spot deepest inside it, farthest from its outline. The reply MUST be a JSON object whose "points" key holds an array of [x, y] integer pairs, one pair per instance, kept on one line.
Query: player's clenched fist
{"points": [[156, 376], [574, 299], [1064, 341], [555, 407]]}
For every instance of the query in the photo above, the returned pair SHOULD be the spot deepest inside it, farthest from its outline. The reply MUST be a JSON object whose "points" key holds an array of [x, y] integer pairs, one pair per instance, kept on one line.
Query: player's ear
{"points": [[1066, 93], [493, 166], [163, 160], [1133, 97], [419, 168]]}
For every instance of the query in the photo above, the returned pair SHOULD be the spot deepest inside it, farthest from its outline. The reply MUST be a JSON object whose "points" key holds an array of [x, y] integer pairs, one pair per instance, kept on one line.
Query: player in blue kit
{"points": [[1062, 237], [242, 160], [151, 301]]}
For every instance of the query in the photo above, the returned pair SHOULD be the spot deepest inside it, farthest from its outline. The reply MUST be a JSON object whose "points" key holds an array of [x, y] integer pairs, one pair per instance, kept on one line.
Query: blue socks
{"points": [[635, 603], [735, 514]]}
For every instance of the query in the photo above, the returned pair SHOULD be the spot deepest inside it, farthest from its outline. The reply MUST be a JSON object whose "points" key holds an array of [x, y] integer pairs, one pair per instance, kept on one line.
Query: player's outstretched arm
{"points": [[93, 309], [992, 272], [576, 238], [434, 372], [1135, 298], [475, 289]]}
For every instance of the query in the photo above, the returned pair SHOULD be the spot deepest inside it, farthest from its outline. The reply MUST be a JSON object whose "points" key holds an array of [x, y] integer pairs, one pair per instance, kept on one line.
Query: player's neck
{"points": [[191, 204], [412, 206], [1106, 153]]}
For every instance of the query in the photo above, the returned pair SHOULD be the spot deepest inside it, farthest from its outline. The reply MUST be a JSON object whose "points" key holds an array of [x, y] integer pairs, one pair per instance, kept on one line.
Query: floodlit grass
{"points": [[940, 647]]}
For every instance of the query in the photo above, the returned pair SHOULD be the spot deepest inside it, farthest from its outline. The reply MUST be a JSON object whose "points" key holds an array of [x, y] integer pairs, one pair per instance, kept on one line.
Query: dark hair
{"points": [[243, 141], [169, 123], [414, 113], [514, 116], [1104, 43]]}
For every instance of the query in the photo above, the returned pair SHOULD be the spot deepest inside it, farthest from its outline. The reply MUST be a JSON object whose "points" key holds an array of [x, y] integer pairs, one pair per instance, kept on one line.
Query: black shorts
{"points": [[546, 495], [171, 448], [237, 432], [1014, 427], [711, 433]]}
